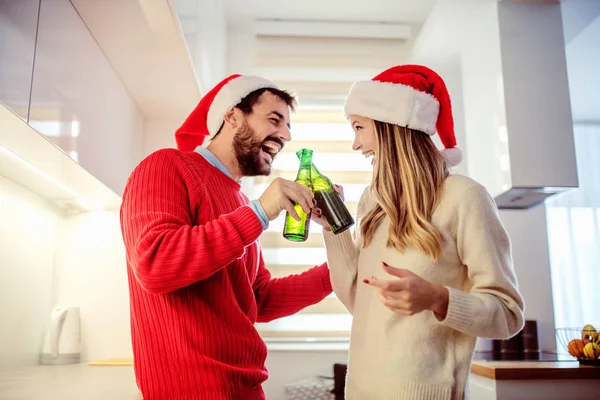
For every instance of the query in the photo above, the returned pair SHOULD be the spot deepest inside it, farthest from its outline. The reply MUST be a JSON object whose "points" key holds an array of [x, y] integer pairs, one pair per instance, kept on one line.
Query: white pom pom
{"points": [[452, 156]]}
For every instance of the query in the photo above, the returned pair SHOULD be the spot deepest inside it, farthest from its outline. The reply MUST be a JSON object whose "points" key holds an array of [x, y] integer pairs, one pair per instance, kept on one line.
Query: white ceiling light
{"points": [[332, 29]]}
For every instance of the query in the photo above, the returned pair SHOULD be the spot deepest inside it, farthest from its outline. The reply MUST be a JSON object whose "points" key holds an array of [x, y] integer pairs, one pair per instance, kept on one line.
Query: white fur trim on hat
{"points": [[393, 103], [230, 95], [452, 156]]}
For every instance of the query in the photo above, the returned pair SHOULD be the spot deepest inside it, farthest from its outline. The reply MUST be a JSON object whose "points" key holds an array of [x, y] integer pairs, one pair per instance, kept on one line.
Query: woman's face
{"points": [[364, 136]]}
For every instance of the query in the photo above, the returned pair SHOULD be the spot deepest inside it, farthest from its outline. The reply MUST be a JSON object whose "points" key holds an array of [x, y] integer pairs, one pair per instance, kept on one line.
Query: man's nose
{"points": [[285, 134]]}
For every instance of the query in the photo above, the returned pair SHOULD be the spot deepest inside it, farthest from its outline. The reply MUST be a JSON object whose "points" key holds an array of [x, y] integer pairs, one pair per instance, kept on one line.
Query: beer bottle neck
{"points": [[304, 172], [315, 172], [320, 181]]}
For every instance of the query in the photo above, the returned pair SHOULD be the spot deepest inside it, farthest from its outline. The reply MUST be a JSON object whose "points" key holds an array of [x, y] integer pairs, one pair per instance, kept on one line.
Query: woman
{"points": [[430, 268]]}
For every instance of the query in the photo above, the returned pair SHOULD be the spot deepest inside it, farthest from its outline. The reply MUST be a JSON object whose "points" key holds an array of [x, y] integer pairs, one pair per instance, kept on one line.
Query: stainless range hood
{"points": [[524, 198], [539, 125]]}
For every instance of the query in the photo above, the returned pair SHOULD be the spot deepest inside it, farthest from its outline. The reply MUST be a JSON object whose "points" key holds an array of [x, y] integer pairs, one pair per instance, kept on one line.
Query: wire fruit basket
{"points": [[581, 343]]}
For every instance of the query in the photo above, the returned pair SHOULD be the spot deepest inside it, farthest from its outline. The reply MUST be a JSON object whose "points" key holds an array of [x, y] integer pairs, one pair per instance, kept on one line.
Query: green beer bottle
{"points": [[330, 202], [297, 231]]}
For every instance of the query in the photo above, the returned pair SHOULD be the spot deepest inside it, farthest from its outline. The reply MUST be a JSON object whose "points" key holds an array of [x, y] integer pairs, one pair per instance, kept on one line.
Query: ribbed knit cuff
{"points": [[325, 278], [247, 224], [342, 246], [419, 390], [461, 307], [376, 387]]}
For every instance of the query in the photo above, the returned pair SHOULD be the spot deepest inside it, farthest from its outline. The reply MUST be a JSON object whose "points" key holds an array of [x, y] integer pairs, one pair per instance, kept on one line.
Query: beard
{"points": [[247, 150]]}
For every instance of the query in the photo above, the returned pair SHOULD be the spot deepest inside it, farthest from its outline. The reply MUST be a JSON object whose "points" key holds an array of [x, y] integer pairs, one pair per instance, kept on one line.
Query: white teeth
{"points": [[369, 154], [273, 147]]}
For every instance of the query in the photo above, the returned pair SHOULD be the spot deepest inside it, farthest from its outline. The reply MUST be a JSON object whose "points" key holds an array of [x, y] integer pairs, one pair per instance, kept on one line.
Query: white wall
{"points": [[528, 232], [93, 275], [29, 230], [210, 53], [159, 134], [241, 49], [50, 258], [452, 74]]}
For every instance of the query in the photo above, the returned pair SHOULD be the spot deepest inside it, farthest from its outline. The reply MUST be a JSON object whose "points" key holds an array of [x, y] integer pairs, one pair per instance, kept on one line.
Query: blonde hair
{"points": [[407, 184]]}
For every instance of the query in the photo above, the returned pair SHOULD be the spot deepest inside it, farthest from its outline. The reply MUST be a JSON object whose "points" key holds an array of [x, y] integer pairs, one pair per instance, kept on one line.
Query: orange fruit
{"points": [[575, 348]]}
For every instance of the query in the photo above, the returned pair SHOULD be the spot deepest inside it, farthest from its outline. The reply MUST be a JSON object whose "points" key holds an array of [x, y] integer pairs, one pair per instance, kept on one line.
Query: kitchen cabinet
{"points": [[18, 29]]}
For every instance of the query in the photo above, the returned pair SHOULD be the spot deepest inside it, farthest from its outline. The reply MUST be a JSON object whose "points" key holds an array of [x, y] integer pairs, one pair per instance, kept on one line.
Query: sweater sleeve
{"points": [[493, 308], [342, 257], [165, 249], [280, 297]]}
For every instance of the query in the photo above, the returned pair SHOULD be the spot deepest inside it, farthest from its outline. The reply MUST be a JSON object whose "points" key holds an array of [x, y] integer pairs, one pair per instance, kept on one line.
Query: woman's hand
{"points": [[317, 214], [410, 294]]}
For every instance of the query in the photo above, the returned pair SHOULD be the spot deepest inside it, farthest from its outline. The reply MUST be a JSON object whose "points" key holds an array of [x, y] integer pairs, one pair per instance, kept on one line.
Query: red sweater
{"points": [[198, 282]]}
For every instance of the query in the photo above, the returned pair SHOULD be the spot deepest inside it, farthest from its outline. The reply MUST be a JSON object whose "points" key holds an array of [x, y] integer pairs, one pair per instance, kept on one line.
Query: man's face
{"points": [[261, 135]]}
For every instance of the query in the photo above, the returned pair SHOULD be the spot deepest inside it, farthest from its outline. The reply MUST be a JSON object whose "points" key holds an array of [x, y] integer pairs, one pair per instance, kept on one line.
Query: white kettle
{"points": [[62, 344]]}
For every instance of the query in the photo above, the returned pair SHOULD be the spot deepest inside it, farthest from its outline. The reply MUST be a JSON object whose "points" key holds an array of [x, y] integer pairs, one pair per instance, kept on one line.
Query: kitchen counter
{"points": [[518, 370], [68, 382], [533, 380]]}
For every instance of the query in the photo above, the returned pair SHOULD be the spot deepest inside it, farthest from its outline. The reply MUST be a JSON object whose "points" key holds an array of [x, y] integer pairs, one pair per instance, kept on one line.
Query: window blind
{"points": [[331, 142]]}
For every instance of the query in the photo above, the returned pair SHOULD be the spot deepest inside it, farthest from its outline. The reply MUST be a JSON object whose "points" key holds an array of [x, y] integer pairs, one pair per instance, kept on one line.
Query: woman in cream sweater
{"points": [[430, 267]]}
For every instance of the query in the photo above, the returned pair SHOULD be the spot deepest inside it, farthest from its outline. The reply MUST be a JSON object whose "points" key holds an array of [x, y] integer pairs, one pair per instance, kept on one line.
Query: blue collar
{"points": [[213, 160]]}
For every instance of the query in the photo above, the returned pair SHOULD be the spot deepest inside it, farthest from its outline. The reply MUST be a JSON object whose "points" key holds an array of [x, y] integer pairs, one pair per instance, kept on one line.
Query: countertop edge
{"points": [[515, 370]]}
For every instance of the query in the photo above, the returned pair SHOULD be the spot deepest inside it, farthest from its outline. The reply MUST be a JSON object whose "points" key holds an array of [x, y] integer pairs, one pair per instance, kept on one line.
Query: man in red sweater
{"points": [[197, 279]]}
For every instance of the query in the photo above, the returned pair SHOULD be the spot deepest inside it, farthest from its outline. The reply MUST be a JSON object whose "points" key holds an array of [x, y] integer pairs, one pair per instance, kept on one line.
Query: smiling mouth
{"points": [[271, 148], [370, 154]]}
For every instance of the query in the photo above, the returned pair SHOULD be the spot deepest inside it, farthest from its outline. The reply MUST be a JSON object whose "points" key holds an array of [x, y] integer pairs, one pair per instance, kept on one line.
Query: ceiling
{"points": [[292, 43], [149, 29], [315, 48]]}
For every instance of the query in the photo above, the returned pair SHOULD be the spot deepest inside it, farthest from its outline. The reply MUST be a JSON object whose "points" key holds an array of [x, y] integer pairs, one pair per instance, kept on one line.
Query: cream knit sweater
{"points": [[393, 357]]}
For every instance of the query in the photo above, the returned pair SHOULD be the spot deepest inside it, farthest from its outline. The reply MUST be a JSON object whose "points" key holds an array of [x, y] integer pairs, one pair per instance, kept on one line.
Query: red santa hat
{"points": [[408, 95], [206, 119]]}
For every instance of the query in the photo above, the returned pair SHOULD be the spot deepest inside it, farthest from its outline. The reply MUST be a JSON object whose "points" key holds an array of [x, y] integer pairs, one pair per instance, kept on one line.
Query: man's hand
{"points": [[282, 194], [317, 214]]}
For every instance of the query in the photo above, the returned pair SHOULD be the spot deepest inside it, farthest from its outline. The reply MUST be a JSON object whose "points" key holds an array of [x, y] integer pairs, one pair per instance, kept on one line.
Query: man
{"points": [[197, 279]]}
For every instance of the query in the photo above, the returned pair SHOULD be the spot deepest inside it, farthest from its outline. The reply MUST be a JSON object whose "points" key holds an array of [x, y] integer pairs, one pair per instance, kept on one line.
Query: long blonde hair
{"points": [[407, 184]]}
